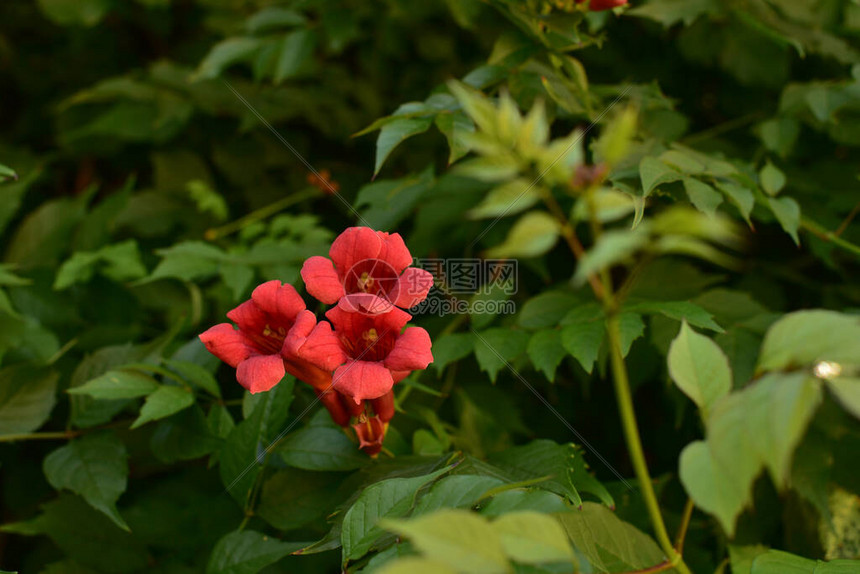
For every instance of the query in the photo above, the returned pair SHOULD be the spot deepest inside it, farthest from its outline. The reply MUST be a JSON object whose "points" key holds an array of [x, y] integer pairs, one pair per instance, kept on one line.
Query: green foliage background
{"points": [[147, 185]]}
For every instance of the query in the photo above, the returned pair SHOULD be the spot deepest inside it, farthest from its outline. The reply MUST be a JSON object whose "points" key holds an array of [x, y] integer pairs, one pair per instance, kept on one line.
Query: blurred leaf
{"points": [[94, 467], [507, 199], [450, 348], [670, 12], [533, 234], [414, 565], [613, 247], [291, 498], [247, 552], [384, 204], [394, 133], [74, 12], [847, 391], [654, 173], [463, 540], [195, 374], [787, 212], [27, 397], [533, 538], [699, 367], [546, 351], [804, 338], [772, 179], [494, 348], [702, 196]]}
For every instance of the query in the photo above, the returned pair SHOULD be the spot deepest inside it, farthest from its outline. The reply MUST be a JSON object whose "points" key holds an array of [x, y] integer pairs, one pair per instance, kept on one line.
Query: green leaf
{"points": [[462, 539], [188, 434], [582, 340], [188, 260], [545, 309], [226, 53], [541, 458], [89, 537], [779, 562], [394, 133], [610, 544], [117, 385], [541, 501], [804, 338], [450, 348], [94, 467], [120, 262], [758, 427], [670, 12], [295, 50], [247, 552], [654, 173], [607, 204], [779, 135], [772, 179], [247, 444], [787, 212], [546, 351], [847, 391], [195, 375], [495, 348], [613, 247], [687, 311], [704, 197], [291, 498], [533, 538], [507, 199], [163, 402], [7, 172], [27, 397], [74, 12], [415, 565], [699, 367], [384, 204], [631, 327], [458, 491], [321, 448], [391, 498], [532, 235], [454, 126], [740, 196]]}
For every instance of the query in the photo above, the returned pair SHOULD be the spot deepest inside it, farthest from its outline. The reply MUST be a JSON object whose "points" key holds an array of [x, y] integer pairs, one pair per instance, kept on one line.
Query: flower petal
{"points": [[260, 373], [384, 406], [394, 251], [249, 317], [412, 287], [411, 351], [281, 301], [353, 245], [226, 343], [322, 348], [360, 380], [298, 333], [321, 280]]}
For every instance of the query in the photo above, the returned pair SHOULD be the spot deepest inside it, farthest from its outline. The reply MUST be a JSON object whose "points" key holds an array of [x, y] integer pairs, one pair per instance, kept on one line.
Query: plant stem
{"points": [[259, 214], [685, 523], [58, 435], [634, 442], [828, 236]]}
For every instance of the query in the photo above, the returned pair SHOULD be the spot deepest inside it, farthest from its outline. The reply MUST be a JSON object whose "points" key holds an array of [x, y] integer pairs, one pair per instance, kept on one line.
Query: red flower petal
{"points": [[384, 406], [360, 380], [281, 301], [321, 280], [412, 287], [411, 351], [260, 373], [226, 343], [249, 317], [354, 312], [598, 5], [394, 251], [353, 245], [322, 348]]}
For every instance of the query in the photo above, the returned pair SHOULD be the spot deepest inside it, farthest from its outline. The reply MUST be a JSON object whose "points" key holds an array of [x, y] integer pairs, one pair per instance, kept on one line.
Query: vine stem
{"points": [[259, 214], [829, 236], [634, 442], [58, 435]]}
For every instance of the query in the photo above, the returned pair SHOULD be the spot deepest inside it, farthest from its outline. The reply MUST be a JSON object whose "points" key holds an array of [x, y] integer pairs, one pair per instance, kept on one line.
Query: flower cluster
{"points": [[353, 360]]}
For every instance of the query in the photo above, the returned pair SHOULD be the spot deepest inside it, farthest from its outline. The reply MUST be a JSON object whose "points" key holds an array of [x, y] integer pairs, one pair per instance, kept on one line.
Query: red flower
{"points": [[369, 349], [599, 5], [255, 349], [367, 261]]}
